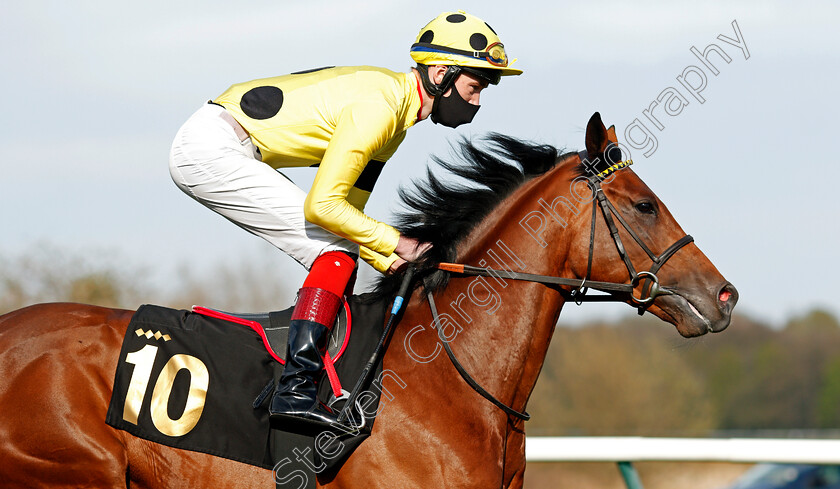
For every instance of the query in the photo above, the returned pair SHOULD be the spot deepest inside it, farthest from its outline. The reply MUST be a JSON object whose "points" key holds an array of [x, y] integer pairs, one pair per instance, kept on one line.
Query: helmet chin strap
{"points": [[436, 90], [457, 111]]}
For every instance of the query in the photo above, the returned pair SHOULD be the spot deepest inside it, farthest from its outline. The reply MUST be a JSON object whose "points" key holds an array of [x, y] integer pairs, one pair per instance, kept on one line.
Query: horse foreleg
{"points": [[515, 457]]}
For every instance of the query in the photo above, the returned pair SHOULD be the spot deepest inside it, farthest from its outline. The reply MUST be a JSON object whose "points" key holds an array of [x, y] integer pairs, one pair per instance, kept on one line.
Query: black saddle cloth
{"points": [[190, 381]]}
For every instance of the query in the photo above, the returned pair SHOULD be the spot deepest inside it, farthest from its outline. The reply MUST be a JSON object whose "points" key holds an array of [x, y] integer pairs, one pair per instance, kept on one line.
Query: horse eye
{"points": [[645, 208]]}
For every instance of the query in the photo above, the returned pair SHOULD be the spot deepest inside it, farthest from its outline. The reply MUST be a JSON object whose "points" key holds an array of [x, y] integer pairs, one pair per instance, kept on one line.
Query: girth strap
{"points": [[460, 368]]}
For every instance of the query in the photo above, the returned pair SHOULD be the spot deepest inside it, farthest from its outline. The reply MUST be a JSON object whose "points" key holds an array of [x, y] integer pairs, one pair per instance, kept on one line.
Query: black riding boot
{"points": [[295, 406]]}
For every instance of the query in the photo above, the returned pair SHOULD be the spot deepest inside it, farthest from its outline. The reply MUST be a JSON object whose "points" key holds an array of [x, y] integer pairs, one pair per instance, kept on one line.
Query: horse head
{"points": [[587, 218], [691, 294]]}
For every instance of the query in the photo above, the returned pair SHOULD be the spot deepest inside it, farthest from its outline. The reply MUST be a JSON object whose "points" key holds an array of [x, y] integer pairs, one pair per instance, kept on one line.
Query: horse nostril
{"points": [[728, 296]]}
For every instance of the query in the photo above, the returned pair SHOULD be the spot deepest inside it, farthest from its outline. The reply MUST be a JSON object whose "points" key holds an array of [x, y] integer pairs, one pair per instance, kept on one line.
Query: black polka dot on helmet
{"points": [[478, 41], [427, 36]]}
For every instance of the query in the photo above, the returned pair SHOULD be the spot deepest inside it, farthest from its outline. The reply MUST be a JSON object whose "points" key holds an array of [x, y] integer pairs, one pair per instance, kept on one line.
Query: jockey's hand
{"points": [[397, 267], [409, 249]]}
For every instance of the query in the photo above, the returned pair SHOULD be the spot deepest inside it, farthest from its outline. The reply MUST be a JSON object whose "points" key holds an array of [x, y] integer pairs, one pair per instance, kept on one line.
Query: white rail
{"points": [[641, 449]]}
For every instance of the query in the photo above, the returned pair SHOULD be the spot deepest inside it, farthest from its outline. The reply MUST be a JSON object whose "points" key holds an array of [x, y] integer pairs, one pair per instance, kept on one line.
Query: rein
{"points": [[461, 370], [618, 292]]}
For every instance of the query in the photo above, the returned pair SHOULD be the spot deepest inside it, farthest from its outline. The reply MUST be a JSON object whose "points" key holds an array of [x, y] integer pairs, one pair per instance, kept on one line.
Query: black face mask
{"points": [[453, 110]]}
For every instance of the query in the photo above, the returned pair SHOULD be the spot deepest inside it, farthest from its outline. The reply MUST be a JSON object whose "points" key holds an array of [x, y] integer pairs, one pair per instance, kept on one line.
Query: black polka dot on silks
{"points": [[456, 18], [262, 102], [427, 36], [478, 41]]}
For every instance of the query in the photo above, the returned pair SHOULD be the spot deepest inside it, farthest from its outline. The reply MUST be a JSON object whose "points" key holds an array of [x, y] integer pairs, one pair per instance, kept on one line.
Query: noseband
{"points": [[618, 292]]}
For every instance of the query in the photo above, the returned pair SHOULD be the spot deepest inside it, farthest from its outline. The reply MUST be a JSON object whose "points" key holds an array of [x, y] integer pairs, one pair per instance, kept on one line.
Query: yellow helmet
{"points": [[461, 39]]}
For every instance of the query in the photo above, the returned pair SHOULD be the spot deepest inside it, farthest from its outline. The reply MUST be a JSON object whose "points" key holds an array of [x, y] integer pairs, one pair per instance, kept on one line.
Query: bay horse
{"points": [[527, 208]]}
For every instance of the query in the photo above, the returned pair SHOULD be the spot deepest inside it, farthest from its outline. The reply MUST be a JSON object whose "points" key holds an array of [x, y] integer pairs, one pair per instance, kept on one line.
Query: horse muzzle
{"points": [[696, 313]]}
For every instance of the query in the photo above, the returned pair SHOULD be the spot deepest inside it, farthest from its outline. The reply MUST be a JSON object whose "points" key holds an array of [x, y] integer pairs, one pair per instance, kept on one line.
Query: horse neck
{"points": [[507, 325]]}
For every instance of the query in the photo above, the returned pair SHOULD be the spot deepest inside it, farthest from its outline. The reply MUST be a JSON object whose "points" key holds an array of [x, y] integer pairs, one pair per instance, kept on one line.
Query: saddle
{"points": [[200, 380]]}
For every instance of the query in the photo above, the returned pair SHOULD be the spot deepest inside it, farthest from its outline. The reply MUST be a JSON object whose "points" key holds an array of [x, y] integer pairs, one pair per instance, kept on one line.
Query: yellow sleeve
{"points": [[388, 151], [379, 262], [361, 130]]}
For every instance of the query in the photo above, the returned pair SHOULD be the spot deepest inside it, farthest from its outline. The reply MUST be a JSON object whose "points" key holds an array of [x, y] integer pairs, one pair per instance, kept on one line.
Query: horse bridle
{"points": [[619, 292], [608, 210]]}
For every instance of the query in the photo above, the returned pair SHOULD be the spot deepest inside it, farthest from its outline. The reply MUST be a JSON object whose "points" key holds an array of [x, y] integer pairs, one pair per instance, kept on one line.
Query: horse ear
{"points": [[596, 135], [611, 135]]}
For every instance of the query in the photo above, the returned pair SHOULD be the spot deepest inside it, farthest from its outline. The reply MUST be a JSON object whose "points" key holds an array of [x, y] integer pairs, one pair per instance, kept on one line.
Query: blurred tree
{"points": [[244, 287], [814, 340], [638, 378], [97, 288], [766, 378], [602, 380], [817, 320], [46, 274], [828, 402]]}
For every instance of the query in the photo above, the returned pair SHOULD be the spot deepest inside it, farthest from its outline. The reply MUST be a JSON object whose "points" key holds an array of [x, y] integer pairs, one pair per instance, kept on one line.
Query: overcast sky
{"points": [[95, 91]]}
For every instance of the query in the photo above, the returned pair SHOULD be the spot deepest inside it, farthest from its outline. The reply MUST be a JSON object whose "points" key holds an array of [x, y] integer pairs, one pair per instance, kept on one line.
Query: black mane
{"points": [[444, 213]]}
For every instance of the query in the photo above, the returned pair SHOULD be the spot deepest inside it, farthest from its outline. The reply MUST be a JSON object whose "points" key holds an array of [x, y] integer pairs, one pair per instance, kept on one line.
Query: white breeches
{"points": [[210, 164]]}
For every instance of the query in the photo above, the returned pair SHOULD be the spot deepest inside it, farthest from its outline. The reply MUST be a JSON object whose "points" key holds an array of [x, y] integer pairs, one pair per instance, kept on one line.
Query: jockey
{"points": [[347, 122]]}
